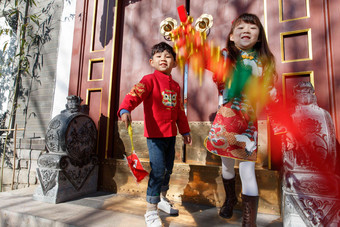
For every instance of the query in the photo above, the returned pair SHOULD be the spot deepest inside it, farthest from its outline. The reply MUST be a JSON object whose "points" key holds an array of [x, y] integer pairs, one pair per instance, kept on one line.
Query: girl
{"points": [[234, 131]]}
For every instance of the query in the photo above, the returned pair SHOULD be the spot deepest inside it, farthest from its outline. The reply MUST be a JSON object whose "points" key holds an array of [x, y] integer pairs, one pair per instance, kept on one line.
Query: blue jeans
{"points": [[162, 156]]}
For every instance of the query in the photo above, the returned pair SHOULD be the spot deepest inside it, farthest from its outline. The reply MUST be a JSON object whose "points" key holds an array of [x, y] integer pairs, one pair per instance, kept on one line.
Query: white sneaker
{"points": [[165, 206], [152, 219]]}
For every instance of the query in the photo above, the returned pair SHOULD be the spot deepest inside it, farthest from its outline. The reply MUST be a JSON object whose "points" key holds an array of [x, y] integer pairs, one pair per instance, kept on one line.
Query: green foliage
{"points": [[28, 29]]}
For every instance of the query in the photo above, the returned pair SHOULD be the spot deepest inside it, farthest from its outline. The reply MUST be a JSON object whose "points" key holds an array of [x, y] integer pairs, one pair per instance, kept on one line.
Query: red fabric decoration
{"points": [[136, 167], [133, 162], [182, 13]]}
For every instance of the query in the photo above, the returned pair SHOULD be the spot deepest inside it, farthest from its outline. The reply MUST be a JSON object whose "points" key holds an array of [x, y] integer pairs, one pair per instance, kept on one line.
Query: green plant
{"points": [[29, 28]]}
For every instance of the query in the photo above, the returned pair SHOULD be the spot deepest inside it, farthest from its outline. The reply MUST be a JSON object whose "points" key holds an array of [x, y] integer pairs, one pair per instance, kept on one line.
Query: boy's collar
{"points": [[162, 74]]}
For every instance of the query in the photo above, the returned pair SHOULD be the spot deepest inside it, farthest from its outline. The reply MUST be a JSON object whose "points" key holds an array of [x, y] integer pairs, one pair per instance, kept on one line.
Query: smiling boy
{"points": [[163, 114]]}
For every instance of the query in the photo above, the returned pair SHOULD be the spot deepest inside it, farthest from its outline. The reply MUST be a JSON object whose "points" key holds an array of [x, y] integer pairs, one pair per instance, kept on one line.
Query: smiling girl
{"points": [[233, 134]]}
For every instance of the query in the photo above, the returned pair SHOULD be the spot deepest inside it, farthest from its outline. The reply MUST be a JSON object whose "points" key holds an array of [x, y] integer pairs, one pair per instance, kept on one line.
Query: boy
{"points": [[163, 110]]}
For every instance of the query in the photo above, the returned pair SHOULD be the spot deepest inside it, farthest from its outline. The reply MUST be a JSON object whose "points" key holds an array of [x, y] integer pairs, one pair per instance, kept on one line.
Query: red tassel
{"points": [[182, 13]]}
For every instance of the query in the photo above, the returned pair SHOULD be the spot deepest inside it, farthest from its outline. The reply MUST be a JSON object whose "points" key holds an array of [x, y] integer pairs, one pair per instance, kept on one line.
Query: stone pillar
{"points": [[310, 187], [69, 168]]}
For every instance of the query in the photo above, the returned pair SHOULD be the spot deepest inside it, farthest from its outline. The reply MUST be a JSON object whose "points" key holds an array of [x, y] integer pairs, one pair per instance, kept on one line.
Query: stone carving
{"points": [[73, 104], [52, 161], [316, 126], [308, 168], [53, 137], [70, 166], [315, 211], [77, 176], [80, 140], [47, 179]]}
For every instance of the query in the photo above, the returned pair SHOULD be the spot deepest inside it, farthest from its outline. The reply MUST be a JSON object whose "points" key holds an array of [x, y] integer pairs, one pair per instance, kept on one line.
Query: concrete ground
{"points": [[101, 209]]}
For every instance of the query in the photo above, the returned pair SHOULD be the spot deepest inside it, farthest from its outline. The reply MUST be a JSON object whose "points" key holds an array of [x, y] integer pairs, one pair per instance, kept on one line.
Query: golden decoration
{"points": [[167, 26], [204, 22]]}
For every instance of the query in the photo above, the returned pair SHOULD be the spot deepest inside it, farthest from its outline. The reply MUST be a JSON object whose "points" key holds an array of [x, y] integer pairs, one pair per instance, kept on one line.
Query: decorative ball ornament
{"points": [[204, 23], [191, 45], [167, 26]]}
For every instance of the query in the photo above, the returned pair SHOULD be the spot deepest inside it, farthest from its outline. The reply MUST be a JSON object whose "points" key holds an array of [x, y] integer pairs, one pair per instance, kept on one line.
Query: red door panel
{"points": [[299, 35], [93, 75]]}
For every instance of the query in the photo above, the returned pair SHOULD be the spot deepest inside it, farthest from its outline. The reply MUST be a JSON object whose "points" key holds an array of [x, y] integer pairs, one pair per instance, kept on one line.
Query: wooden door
{"points": [[94, 65], [300, 35]]}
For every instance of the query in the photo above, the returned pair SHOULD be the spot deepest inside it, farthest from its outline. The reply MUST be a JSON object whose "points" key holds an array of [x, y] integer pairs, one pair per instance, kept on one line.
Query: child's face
{"points": [[245, 35], [163, 62]]}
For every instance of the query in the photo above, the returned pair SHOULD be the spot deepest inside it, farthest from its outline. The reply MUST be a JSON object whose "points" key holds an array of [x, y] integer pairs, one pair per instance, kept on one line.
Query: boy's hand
{"points": [[187, 139], [126, 118]]}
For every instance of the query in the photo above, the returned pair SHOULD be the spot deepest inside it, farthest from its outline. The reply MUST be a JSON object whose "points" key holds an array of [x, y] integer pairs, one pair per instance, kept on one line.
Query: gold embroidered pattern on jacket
{"points": [[137, 90]]}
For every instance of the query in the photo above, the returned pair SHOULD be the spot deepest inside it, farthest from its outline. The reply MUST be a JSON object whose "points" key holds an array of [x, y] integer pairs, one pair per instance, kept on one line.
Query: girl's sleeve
{"points": [[220, 71]]}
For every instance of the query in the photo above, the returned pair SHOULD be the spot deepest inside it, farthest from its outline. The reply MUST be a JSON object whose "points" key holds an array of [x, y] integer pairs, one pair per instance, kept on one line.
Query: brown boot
{"points": [[249, 205], [230, 199]]}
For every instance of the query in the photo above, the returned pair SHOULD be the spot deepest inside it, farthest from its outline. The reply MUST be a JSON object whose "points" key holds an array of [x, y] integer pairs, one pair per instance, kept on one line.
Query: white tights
{"points": [[247, 175]]}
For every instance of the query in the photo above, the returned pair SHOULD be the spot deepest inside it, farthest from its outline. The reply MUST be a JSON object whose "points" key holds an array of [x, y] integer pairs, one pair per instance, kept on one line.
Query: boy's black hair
{"points": [[160, 47]]}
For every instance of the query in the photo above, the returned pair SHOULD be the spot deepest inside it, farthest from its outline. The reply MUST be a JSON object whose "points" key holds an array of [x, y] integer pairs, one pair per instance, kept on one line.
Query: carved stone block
{"points": [[310, 187], [57, 187], [69, 169]]}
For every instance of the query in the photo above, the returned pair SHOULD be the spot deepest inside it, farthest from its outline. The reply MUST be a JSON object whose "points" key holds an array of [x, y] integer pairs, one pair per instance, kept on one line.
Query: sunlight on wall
{"points": [[64, 57]]}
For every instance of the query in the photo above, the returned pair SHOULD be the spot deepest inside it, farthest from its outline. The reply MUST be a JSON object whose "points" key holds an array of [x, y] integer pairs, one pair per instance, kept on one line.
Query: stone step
{"points": [[194, 184], [17, 208]]}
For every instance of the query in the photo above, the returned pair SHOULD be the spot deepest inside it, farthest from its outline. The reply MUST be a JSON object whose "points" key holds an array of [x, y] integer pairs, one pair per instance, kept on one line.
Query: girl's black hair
{"points": [[261, 47], [160, 47]]}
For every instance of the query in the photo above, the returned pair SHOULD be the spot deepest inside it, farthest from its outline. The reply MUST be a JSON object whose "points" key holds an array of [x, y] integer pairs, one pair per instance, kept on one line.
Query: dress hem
{"points": [[239, 159]]}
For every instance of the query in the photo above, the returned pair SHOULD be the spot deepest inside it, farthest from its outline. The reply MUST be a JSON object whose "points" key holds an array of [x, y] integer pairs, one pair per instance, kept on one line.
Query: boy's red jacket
{"points": [[163, 108]]}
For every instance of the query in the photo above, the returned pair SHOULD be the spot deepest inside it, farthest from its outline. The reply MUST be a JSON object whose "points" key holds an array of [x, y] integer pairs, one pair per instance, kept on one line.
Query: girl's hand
{"points": [[126, 118], [187, 139]]}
